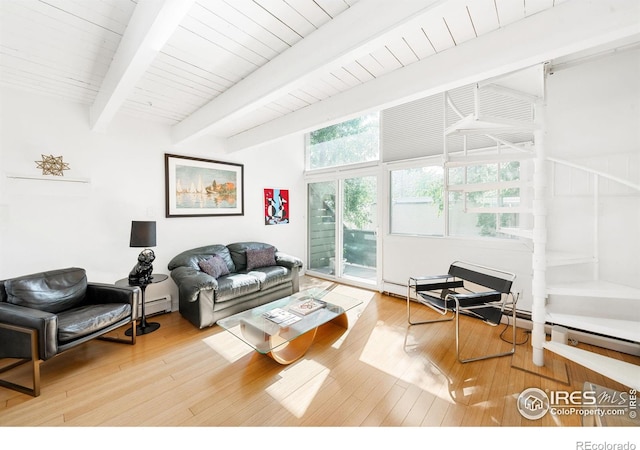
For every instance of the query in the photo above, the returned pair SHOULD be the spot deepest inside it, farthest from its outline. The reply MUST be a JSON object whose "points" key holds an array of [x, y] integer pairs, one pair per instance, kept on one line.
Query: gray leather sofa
{"points": [[257, 274]]}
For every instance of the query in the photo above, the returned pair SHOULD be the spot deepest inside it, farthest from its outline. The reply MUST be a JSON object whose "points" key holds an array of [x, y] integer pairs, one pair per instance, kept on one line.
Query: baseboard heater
{"points": [[153, 306]]}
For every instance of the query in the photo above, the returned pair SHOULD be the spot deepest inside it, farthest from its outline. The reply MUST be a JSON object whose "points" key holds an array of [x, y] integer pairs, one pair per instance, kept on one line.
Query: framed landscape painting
{"points": [[198, 187]]}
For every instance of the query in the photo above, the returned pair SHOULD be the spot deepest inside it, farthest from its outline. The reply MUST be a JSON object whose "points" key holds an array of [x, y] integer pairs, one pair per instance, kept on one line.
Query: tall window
{"points": [[417, 202], [354, 141], [484, 198]]}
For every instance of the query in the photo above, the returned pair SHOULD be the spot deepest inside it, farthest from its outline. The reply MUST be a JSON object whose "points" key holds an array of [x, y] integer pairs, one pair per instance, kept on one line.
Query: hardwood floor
{"points": [[378, 373]]}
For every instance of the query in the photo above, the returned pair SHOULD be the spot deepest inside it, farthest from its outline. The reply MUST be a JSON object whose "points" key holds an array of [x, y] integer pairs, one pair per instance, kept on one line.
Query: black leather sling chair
{"points": [[46, 313], [471, 289]]}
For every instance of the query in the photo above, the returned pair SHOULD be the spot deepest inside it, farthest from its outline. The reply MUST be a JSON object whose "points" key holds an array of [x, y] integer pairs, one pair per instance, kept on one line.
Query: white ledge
{"points": [[49, 178]]}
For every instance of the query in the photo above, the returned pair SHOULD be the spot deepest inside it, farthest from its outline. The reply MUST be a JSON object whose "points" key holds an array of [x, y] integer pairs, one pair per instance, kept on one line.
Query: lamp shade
{"points": [[143, 234]]}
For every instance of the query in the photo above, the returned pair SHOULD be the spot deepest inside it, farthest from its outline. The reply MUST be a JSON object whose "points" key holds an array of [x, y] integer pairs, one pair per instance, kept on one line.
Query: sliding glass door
{"points": [[321, 225], [342, 228]]}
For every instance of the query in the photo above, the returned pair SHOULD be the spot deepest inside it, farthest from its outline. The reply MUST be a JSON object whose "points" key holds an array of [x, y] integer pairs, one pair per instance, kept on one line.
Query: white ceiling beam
{"points": [[151, 25], [355, 32], [568, 28]]}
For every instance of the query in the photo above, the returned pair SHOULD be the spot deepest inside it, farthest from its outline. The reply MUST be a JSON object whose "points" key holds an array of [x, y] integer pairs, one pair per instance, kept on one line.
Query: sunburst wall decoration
{"points": [[52, 165]]}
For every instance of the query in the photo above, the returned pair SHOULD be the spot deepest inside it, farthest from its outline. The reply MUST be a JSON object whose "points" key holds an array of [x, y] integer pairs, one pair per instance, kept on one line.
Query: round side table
{"points": [[143, 327]]}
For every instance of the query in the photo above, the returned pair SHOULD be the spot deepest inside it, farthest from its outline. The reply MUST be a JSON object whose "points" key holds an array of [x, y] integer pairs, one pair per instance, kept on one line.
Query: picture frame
{"points": [[198, 187], [276, 206]]}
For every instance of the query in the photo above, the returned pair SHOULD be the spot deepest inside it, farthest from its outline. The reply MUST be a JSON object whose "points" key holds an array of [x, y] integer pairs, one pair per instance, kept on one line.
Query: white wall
{"points": [[46, 224]]}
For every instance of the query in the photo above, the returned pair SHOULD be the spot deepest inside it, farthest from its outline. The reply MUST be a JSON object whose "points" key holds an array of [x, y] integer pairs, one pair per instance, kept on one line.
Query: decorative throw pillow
{"points": [[214, 266], [263, 257]]}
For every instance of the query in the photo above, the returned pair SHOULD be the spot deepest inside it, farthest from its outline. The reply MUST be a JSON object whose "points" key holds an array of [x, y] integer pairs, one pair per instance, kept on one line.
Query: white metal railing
{"points": [[595, 172], [596, 192]]}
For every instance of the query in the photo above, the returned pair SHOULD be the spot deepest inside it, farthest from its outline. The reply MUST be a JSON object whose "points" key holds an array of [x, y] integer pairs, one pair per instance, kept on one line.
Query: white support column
{"points": [[539, 283]]}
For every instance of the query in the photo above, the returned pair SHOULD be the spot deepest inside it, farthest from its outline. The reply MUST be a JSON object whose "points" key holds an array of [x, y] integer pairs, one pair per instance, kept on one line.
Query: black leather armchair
{"points": [[46, 313]]}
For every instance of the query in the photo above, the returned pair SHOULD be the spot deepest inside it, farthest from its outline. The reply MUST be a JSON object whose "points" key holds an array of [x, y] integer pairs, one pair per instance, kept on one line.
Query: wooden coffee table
{"points": [[290, 339]]}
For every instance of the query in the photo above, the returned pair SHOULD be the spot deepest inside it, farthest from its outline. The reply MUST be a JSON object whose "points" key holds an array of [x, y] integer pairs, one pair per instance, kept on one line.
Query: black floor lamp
{"points": [[143, 234]]}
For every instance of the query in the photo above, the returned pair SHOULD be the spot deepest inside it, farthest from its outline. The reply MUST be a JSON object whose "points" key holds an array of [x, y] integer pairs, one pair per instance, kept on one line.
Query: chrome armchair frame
{"points": [[452, 294]]}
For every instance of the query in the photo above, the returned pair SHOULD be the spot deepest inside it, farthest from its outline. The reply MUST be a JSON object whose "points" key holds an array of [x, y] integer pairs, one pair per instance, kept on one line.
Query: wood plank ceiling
{"points": [[65, 48]]}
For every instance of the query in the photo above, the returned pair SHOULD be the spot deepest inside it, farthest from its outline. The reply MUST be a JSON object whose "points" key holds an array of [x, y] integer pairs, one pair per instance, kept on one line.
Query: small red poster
{"points": [[276, 206]]}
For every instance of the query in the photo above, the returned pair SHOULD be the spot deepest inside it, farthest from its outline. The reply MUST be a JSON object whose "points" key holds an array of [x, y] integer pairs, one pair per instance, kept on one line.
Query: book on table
{"points": [[281, 316], [307, 306]]}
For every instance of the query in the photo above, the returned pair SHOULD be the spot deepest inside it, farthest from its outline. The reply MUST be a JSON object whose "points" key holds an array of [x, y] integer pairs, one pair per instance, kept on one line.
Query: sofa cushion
{"points": [[235, 285], [214, 266], [52, 291], [191, 258], [271, 276], [238, 252], [260, 257], [82, 321]]}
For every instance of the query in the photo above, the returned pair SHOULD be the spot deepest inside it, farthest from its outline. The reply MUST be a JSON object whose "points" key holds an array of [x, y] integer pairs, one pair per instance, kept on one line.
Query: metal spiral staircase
{"points": [[534, 227]]}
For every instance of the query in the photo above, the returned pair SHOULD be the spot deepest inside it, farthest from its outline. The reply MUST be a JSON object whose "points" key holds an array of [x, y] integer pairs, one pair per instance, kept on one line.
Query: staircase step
{"points": [[616, 328], [555, 259], [597, 288], [623, 372]]}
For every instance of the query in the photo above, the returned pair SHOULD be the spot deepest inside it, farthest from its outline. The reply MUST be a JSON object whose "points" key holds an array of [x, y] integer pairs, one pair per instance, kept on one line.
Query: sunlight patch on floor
{"points": [[229, 347], [354, 314], [298, 386], [413, 369]]}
